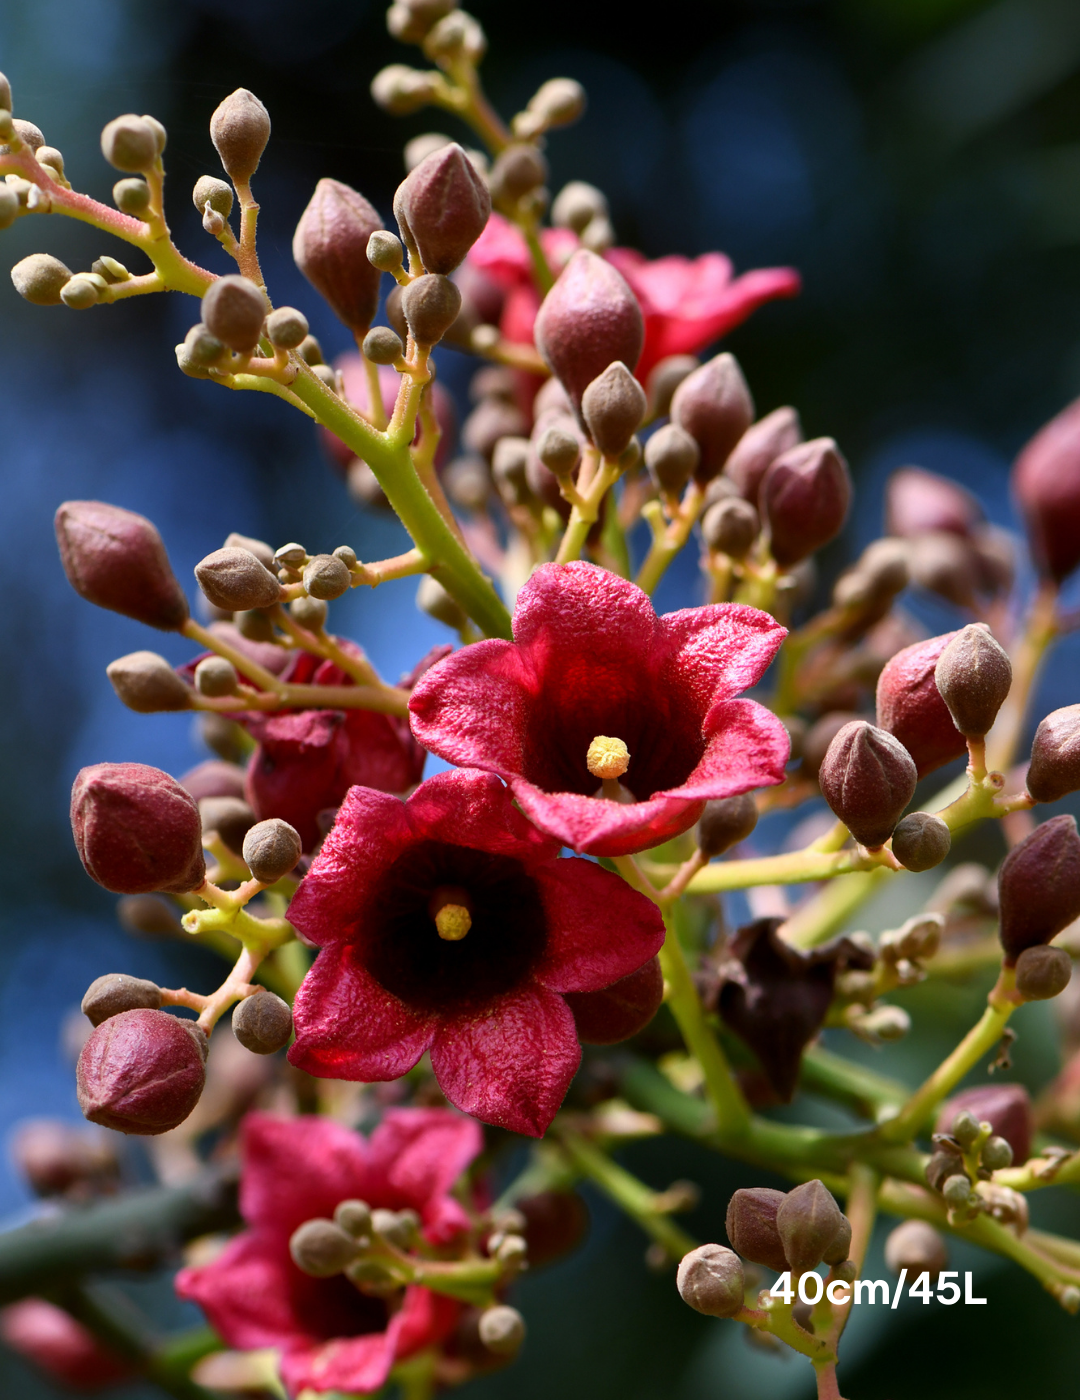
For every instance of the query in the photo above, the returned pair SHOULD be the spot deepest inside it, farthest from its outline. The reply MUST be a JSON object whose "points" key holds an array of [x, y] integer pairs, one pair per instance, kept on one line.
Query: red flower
{"points": [[687, 302], [390, 984], [331, 1336], [62, 1347], [590, 657]]}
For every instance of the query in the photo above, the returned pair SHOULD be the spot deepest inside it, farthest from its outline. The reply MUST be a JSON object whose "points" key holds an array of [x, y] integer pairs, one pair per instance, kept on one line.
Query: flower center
{"points": [[451, 908], [608, 758]]}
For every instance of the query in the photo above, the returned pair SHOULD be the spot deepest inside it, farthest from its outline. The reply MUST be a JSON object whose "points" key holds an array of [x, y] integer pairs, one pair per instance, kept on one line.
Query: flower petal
{"points": [[713, 653], [598, 827], [747, 748], [350, 1027], [599, 929], [472, 707], [245, 1292], [511, 1063], [418, 1153], [468, 807], [298, 1167]]}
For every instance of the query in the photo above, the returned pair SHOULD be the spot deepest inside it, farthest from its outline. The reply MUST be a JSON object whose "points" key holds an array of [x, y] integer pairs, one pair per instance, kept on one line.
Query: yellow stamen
{"points": [[607, 758], [453, 922]]}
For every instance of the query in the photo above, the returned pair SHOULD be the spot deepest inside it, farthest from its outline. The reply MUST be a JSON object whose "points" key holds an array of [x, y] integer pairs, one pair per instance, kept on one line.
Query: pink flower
{"points": [[60, 1346], [687, 302], [331, 1336], [590, 657], [390, 984]]}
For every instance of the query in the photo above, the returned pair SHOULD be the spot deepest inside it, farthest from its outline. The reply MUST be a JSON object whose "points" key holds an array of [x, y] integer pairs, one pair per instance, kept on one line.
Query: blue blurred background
{"points": [[918, 160]]}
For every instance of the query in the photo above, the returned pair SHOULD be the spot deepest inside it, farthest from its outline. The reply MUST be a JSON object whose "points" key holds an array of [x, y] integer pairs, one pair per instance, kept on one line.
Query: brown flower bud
{"points": [[867, 778], [1042, 972], [271, 849], [917, 1247], [130, 143], [725, 822], [819, 736], [710, 1280], [141, 1072], [805, 497], [58, 1159], [146, 916], [468, 482], [508, 465], [868, 589], [433, 599], [731, 527], [946, 565], [558, 447], [354, 1217], [214, 778], [230, 817], [921, 841], [518, 169], [327, 577], [331, 248], [200, 351], [808, 1220], [430, 305], [664, 378], [240, 129], [441, 207], [974, 675], [254, 626], [131, 196], [321, 1249], [613, 406], [621, 1010], [287, 328], [382, 346], [752, 1229], [310, 613], [262, 1023], [672, 457], [136, 829], [558, 102], [40, 278], [840, 1247], [234, 310], [235, 580], [910, 707], [1055, 756], [714, 406], [758, 449], [1039, 887], [401, 90], [1046, 483], [115, 992], [147, 684], [501, 1329], [28, 133], [217, 193], [410, 20], [919, 501], [576, 205], [1006, 1107], [588, 320]]}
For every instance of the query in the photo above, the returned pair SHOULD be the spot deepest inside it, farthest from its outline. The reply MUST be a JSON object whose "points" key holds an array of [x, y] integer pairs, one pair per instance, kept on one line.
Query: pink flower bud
{"points": [[441, 207], [1055, 756], [714, 406], [751, 1226], [1039, 887], [116, 559], [136, 829], [809, 1222], [759, 447], [141, 1072], [588, 320], [330, 249], [919, 501], [805, 497], [1046, 483], [974, 676], [867, 778], [613, 406], [57, 1344], [1006, 1107], [621, 1010], [910, 707]]}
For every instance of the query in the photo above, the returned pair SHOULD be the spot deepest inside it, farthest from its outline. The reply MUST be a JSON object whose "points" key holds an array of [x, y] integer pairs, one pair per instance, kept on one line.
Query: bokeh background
{"points": [[918, 160]]}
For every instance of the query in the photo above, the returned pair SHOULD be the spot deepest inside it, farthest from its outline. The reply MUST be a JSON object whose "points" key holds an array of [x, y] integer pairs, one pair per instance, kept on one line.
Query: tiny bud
{"points": [[508, 466], [215, 676], [52, 160], [309, 613], [29, 134], [433, 599], [867, 778], [620, 1011], [327, 376], [9, 206], [418, 149], [201, 349], [262, 1023], [731, 527], [517, 170], [1006, 1107], [725, 822], [396, 1227], [147, 684], [310, 351], [5, 93], [287, 327], [411, 20], [217, 193], [965, 1128], [576, 205], [455, 37], [1039, 887], [917, 1247], [840, 1248], [805, 497], [327, 577], [130, 143], [442, 207], [714, 406], [884, 1023], [1044, 481], [240, 129], [710, 1280], [974, 675], [254, 625], [921, 840], [808, 1220], [613, 405], [401, 90], [752, 1229], [136, 829], [141, 1072], [919, 502], [261, 550], [558, 102], [291, 556], [382, 346], [235, 580], [468, 482], [910, 707], [1055, 756], [430, 305], [347, 555], [1042, 973], [384, 250], [132, 196], [501, 1329], [40, 278], [672, 457], [79, 294], [559, 448], [271, 849], [234, 309], [867, 590], [997, 1154], [945, 564], [115, 992], [321, 1249], [512, 1251], [956, 1190], [146, 916], [330, 247], [354, 1217], [230, 817]]}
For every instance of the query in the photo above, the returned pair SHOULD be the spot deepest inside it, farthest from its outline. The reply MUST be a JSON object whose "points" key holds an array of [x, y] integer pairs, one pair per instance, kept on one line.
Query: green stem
{"points": [[584, 515], [665, 546], [793, 868]]}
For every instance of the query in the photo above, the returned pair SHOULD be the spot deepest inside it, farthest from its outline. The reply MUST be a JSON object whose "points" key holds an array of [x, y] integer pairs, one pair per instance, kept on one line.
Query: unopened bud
{"points": [[752, 1229], [331, 246], [290, 556], [433, 599], [40, 278], [309, 612], [261, 550], [620, 1011], [29, 134], [321, 1249], [146, 916], [286, 327], [559, 449], [869, 588], [1042, 973], [354, 1217], [711, 1281], [382, 346], [80, 294], [576, 205], [136, 829], [430, 305], [1039, 887], [996, 1153], [230, 817], [271, 849], [714, 406], [217, 193], [805, 497], [401, 90], [201, 350], [558, 102], [509, 463], [916, 1247], [410, 20], [235, 580], [867, 778], [327, 577], [973, 676], [725, 822], [132, 196], [501, 1329], [918, 502], [731, 527], [384, 251], [457, 36], [1006, 1107], [310, 351], [664, 378], [1045, 482], [945, 564], [115, 992], [517, 170], [910, 707], [141, 1072], [883, 1023], [240, 129], [672, 457], [396, 1227], [442, 207], [613, 406], [965, 1128], [921, 841], [147, 684], [254, 625], [262, 1023], [234, 309], [808, 1220], [467, 481], [9, 206], [1054, 770], [130, 143], [956, 1189], [5, 93]]}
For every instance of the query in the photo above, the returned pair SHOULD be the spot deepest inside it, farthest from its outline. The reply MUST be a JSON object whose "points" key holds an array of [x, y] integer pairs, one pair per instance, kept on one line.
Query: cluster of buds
{"points": [[967, 1155]]}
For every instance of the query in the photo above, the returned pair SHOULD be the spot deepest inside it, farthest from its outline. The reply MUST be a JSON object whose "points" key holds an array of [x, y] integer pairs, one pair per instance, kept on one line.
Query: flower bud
{"points": [[354, 1217], [320, 1248], [240, 129], [619, 1011], [433, 599], [1042, 973], [141, 1072], [130, 143], [808, 1220], [819, 736], [80, 294], [382, 346], [840, 1247], [430, 305], [917, 1247], [271, 849], [262, 1023], [397, 1227], [613, 406], [1046, 483], [131, 196], [867, 778], [146, 916], [235, 580], [59, 1159], [210, 190], [230, 817], [116, 992], [410, 20], [234, 310], [441, 207], [327, 577], [401, 90], [805, 497], [502, 1329], [957, 1190], [725, 822], [910, 707], [68, 1353], [996, 1153], [919, 501], [147, 684], [254, 626], [331, 248], [752, 1229], [731, 527], [200, 351], [40, 278], [309, 612], [1039, 887], [1054, 770], [588, 320], [468, 483], [672, 457], [517, 170], [945, 564], [9, 206], [136, 829], [867, 590], [921, 841], [1006, 1107], [758, 449], [287, 328], [559, 449], [508, 466], [973, 676], [29, 134], [577, 204], [714, 406], [710, 1280]]}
